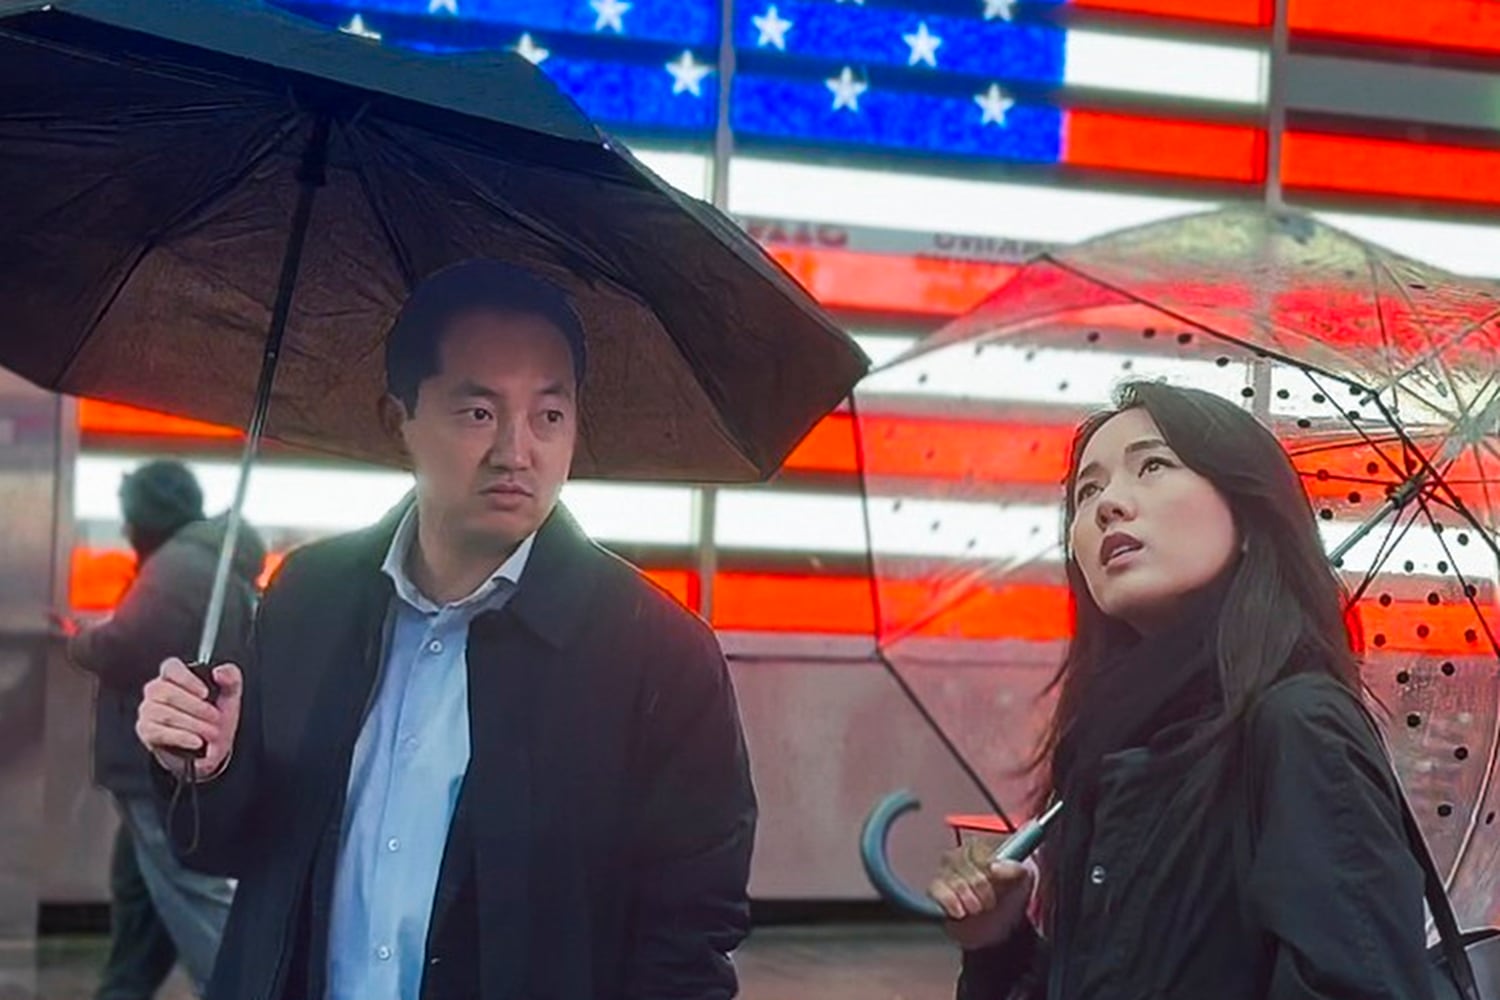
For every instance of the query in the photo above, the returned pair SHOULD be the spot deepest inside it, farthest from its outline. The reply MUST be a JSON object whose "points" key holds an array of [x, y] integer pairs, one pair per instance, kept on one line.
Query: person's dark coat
{"points": [[161, 615], [601, 842], [1301, 886]]}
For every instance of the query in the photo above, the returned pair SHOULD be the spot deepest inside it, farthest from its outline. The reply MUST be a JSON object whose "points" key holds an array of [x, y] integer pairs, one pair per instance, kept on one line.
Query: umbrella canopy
{"points": [[160, 156], [1379, 375]]}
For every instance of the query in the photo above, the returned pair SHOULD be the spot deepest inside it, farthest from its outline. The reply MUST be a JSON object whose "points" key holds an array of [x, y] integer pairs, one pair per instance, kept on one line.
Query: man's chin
{"points": [[502, 529]]}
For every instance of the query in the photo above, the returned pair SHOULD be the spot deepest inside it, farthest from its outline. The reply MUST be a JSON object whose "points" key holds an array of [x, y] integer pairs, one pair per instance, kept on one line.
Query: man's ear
{"points": [[393, 416]]}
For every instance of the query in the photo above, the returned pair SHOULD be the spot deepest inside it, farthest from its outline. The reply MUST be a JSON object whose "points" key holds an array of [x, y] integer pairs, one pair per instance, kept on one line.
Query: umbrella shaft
{"points": [[309, 178], [1400, 498]]}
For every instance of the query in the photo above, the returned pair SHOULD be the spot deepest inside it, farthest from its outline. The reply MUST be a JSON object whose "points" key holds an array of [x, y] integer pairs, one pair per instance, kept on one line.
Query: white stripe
{"points": [[860, 197], [922, 203], [1170, 68], [1024, 373], [1454, 246], [883, 348], [687, 172], [328, 500], [1019, 371], [998, 535]]}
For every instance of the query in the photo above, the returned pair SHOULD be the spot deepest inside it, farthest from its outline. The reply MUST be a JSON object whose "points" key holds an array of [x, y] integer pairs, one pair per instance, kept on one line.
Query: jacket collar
{"points": [[555, 589]]}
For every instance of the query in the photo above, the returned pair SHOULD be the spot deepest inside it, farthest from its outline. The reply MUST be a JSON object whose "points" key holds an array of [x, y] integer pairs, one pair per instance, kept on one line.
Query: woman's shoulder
{"points": [[1308, 712]]}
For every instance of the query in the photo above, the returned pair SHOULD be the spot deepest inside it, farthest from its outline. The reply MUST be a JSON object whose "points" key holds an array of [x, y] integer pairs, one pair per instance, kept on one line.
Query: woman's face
{"points": [[1147, 531]]}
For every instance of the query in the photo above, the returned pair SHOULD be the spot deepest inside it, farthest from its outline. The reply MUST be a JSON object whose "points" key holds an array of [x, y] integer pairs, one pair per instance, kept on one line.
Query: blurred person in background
{"points": [[160, 912]]}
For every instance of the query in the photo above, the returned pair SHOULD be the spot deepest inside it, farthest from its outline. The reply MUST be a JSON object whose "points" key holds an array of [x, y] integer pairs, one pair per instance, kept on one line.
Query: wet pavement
{"points": [[822, 962]]}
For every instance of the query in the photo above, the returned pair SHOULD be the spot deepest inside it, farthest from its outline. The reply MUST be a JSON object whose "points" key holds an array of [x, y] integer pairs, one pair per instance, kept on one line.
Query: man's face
{"points": [[491, 438]]}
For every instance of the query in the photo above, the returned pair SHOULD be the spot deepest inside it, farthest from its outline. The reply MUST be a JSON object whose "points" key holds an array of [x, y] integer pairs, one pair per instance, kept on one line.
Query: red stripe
{"points": [[1006, 454], [847, 279], [1164, 147], [115, 420], [1011, 453], [944, 449], [843, 605], [1391, 167], [1465, 25], [1242, 12]]}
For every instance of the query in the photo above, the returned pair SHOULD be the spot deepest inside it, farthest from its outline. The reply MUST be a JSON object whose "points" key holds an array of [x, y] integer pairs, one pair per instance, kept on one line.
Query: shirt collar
{"points": [[397, 556]]}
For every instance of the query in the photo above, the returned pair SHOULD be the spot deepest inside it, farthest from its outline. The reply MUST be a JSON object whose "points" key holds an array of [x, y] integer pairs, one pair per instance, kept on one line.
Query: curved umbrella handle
{"points": [[872, 851]]}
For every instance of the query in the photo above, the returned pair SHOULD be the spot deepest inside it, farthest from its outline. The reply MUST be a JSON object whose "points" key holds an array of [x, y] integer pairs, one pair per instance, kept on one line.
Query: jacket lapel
{"points": [[518, 664]]}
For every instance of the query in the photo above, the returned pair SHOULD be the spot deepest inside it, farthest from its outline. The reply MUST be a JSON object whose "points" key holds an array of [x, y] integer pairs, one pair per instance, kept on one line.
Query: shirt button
{"points": [[435, 646], [383, 953], [393, 845], [1097, 874]]}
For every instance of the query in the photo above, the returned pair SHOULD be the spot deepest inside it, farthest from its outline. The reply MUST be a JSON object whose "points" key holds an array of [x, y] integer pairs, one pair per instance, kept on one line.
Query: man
{"points": [[478, 756], [160, 910]]}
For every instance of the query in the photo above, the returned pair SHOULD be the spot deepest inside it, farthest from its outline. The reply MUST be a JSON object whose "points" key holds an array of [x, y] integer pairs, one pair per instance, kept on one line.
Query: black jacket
{"points": [[161, 615], [600, 847], [1302, 886]]}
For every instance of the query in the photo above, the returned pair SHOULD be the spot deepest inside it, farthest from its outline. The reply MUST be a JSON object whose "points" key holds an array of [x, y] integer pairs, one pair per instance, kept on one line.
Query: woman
{"points": [[1231, 827]]}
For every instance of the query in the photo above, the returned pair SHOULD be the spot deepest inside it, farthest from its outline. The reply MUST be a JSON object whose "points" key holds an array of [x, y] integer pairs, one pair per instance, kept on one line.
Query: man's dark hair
{"points": [[411, 347]]}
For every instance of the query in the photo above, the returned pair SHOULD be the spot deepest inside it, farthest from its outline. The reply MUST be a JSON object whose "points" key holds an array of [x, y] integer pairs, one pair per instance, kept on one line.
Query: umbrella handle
{"points": [[873, 847]]}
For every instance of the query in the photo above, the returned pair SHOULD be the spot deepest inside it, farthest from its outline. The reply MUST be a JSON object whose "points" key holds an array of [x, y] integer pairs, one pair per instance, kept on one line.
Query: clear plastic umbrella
{"points": [[1378, 373]]}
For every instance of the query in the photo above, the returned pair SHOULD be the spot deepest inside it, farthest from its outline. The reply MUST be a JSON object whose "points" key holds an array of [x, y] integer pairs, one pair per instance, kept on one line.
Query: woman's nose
{"points": [[1110, 509]]}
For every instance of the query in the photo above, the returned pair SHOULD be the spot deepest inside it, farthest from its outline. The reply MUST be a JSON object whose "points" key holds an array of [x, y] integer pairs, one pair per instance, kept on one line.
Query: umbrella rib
{"points": [[1365, 436], [152, 241], [906, 689], [398, 252], [1494, 747], [1376, 265], [1387, 546], [1203, 327]]}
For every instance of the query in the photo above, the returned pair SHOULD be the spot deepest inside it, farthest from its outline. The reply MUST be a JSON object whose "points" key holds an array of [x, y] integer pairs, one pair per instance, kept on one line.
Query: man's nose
{"points": [[511, 445]]}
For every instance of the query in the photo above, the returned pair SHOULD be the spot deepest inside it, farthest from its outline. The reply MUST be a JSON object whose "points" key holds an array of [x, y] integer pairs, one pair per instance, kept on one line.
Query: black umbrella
{"points": [[173, 171]]}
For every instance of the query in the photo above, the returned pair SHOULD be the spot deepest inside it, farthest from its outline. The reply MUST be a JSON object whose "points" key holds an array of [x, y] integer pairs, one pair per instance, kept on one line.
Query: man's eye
{"points": [[479, 414]]}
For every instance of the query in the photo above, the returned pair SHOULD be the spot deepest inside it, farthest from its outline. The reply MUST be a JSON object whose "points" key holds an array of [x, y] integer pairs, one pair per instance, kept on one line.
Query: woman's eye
{"points": [[1152, 464], [1086, 491], [553, 416]]}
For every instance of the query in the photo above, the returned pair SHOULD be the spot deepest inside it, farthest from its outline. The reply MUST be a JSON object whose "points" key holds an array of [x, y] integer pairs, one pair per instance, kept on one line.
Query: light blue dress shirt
{"points": [[409, 763]]}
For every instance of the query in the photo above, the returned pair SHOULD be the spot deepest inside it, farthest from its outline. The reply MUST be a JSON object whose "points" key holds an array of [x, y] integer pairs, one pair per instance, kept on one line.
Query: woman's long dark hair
{"points": [[1283, 603]]}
